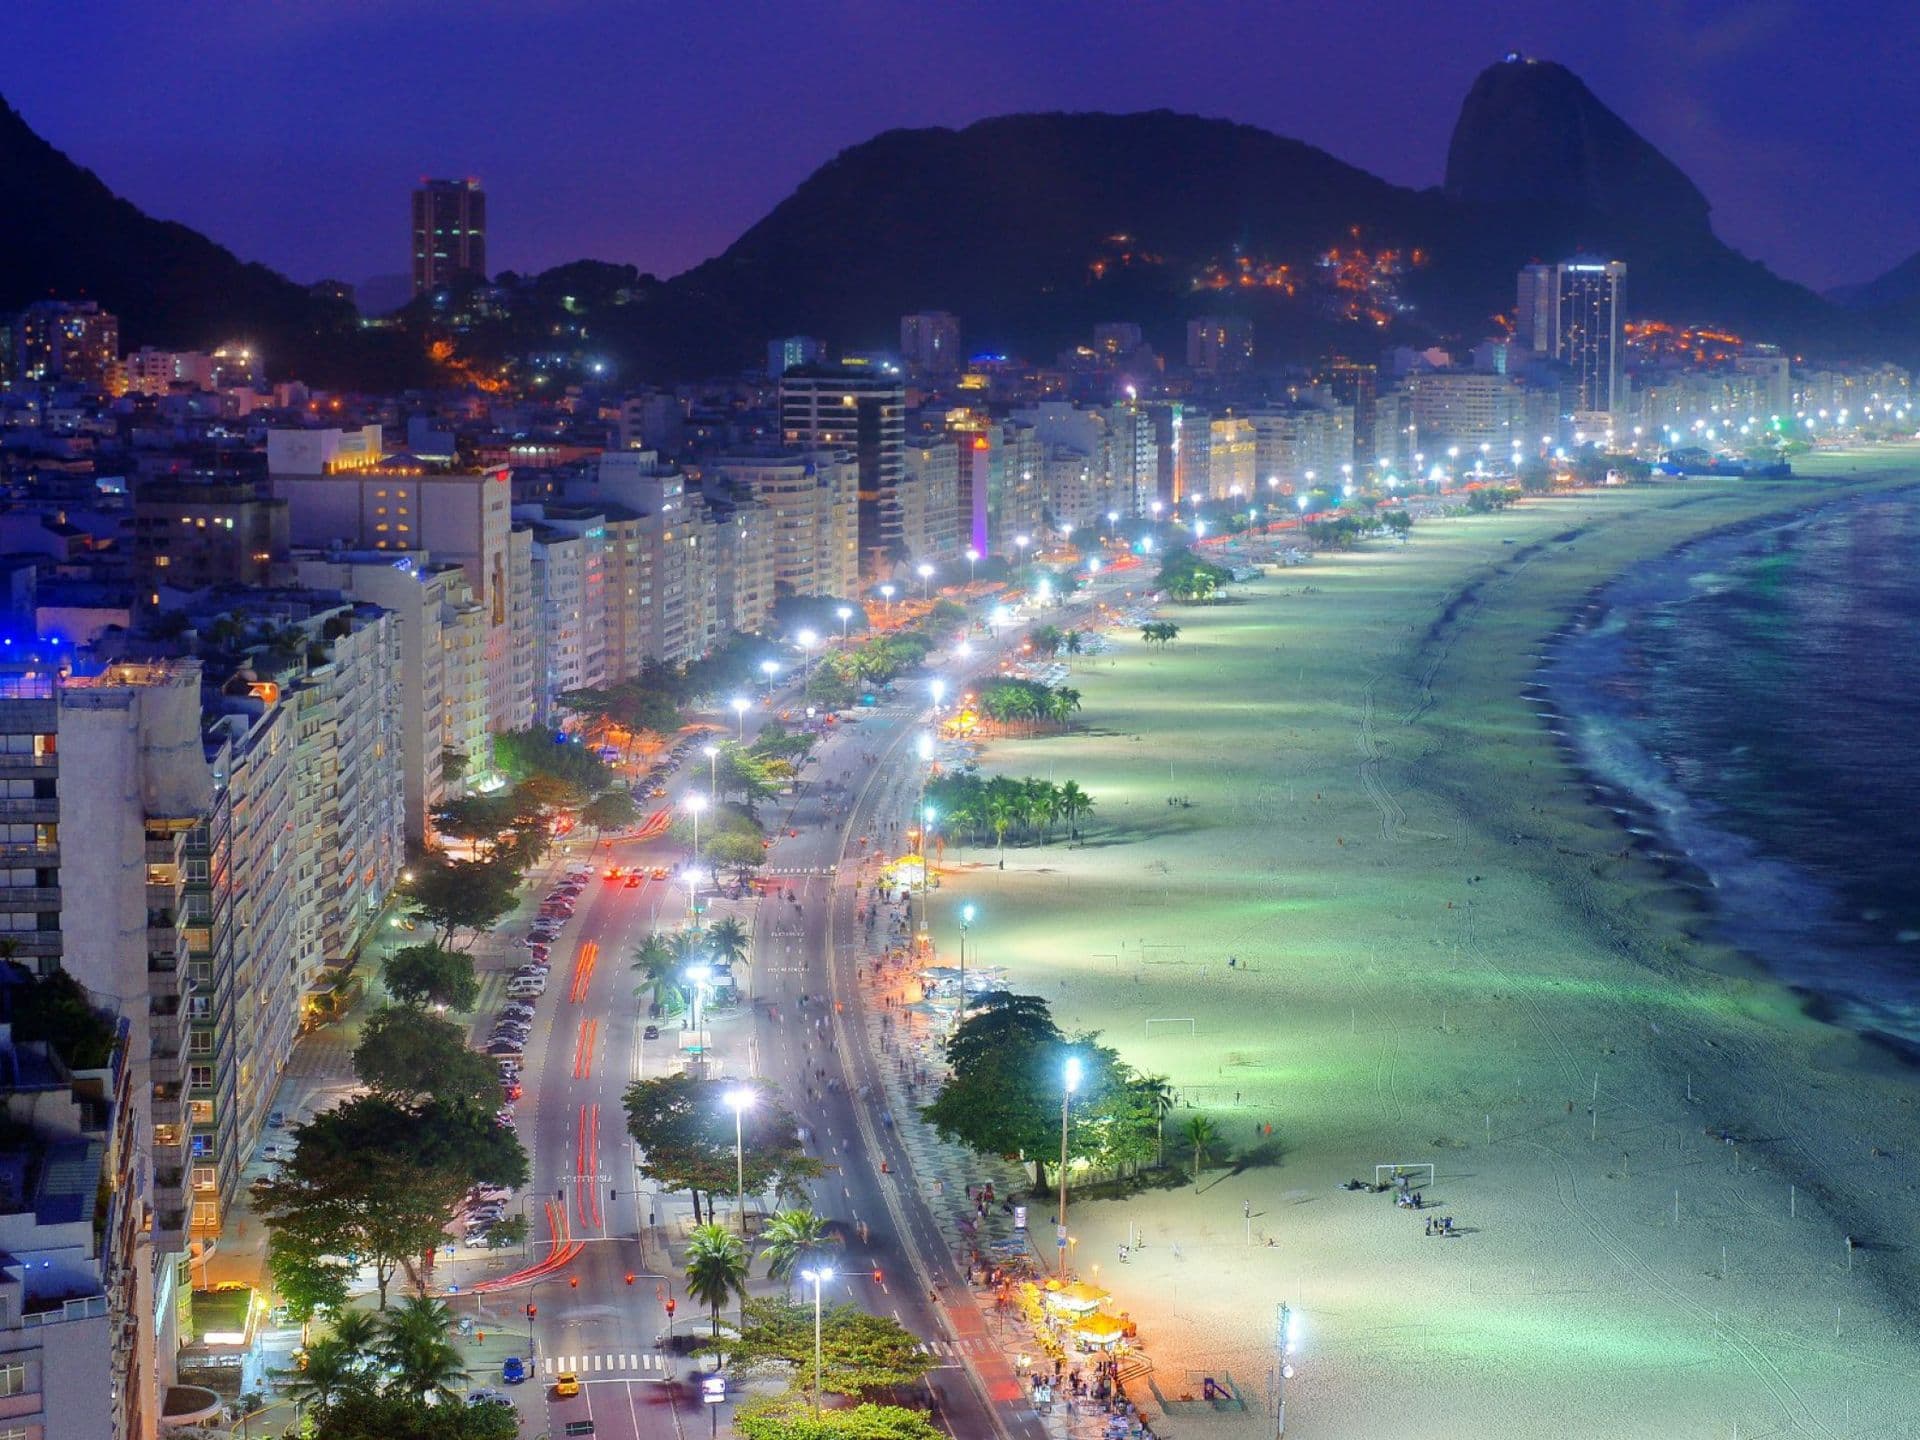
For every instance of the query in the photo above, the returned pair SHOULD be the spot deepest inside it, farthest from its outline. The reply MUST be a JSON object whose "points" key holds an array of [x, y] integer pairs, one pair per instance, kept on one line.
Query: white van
{"points": [[527, 986]]}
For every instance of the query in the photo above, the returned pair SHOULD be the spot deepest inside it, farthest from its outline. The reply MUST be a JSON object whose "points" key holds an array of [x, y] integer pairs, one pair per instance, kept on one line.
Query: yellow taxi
{"points": [[566, 1385]]}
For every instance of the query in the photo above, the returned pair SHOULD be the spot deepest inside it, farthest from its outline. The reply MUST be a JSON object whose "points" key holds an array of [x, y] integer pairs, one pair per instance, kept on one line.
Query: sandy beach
{"points": [[1446, 957]]}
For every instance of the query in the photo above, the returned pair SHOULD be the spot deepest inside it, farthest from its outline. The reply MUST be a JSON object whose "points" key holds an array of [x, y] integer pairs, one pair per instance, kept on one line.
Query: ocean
{"points": [[1750, 705]]}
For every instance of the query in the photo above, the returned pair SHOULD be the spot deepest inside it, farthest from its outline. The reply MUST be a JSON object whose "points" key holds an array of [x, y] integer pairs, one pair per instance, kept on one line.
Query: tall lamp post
{"points": [[699, 975], [741, 705], [886, 594], [738, 1100], [925, 572], [1070, 1083], [769, 668], [806, 640], [966, 924], [845, 612], [973, 559], [695, 803], [816, 1277], [712, 752]]}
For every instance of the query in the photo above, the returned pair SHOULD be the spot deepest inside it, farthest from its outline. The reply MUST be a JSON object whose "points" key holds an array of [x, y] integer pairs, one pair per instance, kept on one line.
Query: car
{"points": [[652, 1032], [505, 1045], [659, 872], [513, 1370], [517, 1036], [518, 1009], [633, 882], [480, 1239], [488, 1397], [510, 1090], [272, 1152], [566, 1385], [527, 988], [277, 1120]]}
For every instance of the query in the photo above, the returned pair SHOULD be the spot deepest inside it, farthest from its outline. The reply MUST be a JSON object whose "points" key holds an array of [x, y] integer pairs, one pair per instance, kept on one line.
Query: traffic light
{"points": [[877, 1277], [532, 1310], [573, 1282], [669, 1305], [629, 1277]]}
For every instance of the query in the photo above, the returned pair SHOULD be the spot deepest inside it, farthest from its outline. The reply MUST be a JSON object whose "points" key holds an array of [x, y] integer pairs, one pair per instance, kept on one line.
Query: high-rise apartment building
{"points": [[191, 533], [811, 499], [829, 409], [934, 529], [1220, 344], [449, 233], [74, 341], [930, 342], [1572, 312], [790, 352], [402, 506], [1355, 385]]}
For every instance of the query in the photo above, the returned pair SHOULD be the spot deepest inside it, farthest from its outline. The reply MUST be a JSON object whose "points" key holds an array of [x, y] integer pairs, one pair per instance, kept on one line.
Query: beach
{"points": [[1446, 952]]}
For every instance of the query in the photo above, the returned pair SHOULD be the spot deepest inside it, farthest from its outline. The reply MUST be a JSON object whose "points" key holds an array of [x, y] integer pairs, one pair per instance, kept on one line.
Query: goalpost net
{"points": [[1387, 1174], [1176, 1020]]}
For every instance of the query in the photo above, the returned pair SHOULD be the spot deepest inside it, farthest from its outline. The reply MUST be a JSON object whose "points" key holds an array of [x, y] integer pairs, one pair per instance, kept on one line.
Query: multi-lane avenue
{"points": [[598, 1268]]}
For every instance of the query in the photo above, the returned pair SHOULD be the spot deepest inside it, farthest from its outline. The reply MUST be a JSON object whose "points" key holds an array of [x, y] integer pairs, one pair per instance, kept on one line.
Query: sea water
{"points": [[1752, 703]]}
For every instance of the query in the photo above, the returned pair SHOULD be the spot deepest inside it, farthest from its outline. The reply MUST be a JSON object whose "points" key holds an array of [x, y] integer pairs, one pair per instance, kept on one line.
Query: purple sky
{"points": [[291, 130]]}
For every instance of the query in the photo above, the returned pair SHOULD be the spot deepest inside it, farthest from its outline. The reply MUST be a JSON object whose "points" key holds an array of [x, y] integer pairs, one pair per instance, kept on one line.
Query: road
{"points": [[599, 1236]]}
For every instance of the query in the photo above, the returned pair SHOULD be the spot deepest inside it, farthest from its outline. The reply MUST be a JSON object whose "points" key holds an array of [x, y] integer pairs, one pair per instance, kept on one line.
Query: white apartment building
{"points": [[810, 499]]}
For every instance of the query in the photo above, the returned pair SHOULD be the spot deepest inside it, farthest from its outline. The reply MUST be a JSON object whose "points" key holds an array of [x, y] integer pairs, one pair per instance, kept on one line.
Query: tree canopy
{"points": [[457, 895], [685, 1130], [1185, 576], [429, 975], [373, 1181], [409, 1055], [1008, 1074]]}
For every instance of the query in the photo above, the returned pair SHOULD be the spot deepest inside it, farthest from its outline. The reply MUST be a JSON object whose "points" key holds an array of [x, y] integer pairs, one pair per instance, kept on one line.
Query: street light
{"points": [[741, 705], [807, 640], [925, 573], [695, 803], [699, 974], [712, 752], [769, 668], [973, 559], [939, 689], [845, 612], [966, 924], [816, 1277], [1070, 1083], [886, 594], [738, 1100]]}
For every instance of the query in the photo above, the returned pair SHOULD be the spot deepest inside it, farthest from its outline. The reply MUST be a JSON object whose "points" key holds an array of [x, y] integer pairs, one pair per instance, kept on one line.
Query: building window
{"points": [[13, 1381], [204, 1177]]}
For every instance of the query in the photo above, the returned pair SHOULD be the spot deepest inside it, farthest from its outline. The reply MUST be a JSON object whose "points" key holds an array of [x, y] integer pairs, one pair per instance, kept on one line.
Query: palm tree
{"points": [[656, 960], [1201, 1136], [1155, 1095], [728, 940], [791, 1240], [1074, 802], [332, 1370], [716, 1268], [1002, 811], [358, 1330], [426, 1365]]}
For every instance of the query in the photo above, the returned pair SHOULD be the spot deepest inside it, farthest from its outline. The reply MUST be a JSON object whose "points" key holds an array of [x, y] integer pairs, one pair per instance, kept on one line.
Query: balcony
{"points": [[12, 764], [40, 807], [29, 897]]}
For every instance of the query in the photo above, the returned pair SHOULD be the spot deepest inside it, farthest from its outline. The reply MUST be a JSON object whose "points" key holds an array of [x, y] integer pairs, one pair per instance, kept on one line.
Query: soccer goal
{"points": [[1384, 1175], [1186, 1020]]}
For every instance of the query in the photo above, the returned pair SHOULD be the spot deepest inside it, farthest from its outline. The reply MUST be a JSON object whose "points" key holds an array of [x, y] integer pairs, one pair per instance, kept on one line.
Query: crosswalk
{"points": [[600, 1364], [956, 1349]]}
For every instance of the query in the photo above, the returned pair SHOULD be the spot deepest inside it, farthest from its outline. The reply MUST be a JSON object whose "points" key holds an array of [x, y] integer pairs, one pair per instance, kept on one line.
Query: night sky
{"points": [[291, 130]]}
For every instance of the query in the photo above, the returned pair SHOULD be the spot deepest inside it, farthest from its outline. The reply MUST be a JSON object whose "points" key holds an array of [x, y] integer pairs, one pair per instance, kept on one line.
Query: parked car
{"points": [[505, 1045], [513, 1370], [652, 1032]]}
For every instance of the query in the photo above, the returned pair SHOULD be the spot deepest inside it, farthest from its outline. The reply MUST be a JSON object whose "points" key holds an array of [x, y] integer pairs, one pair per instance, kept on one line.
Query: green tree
{"points": [[685, 1130], [1201, 1138], [307, 1272], [374, 1182], [421, 1362], [716, 1268], [523, 754], [859, 1353], [660, 962], [740, 851], [727, 940], [358, 1330], [793, 1240], [406, 1055], [429, 975], [456, 895], [1074, 803], [610, 810], [788, 1418], [480, 820], [391, 1415], [333, 1369]]}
